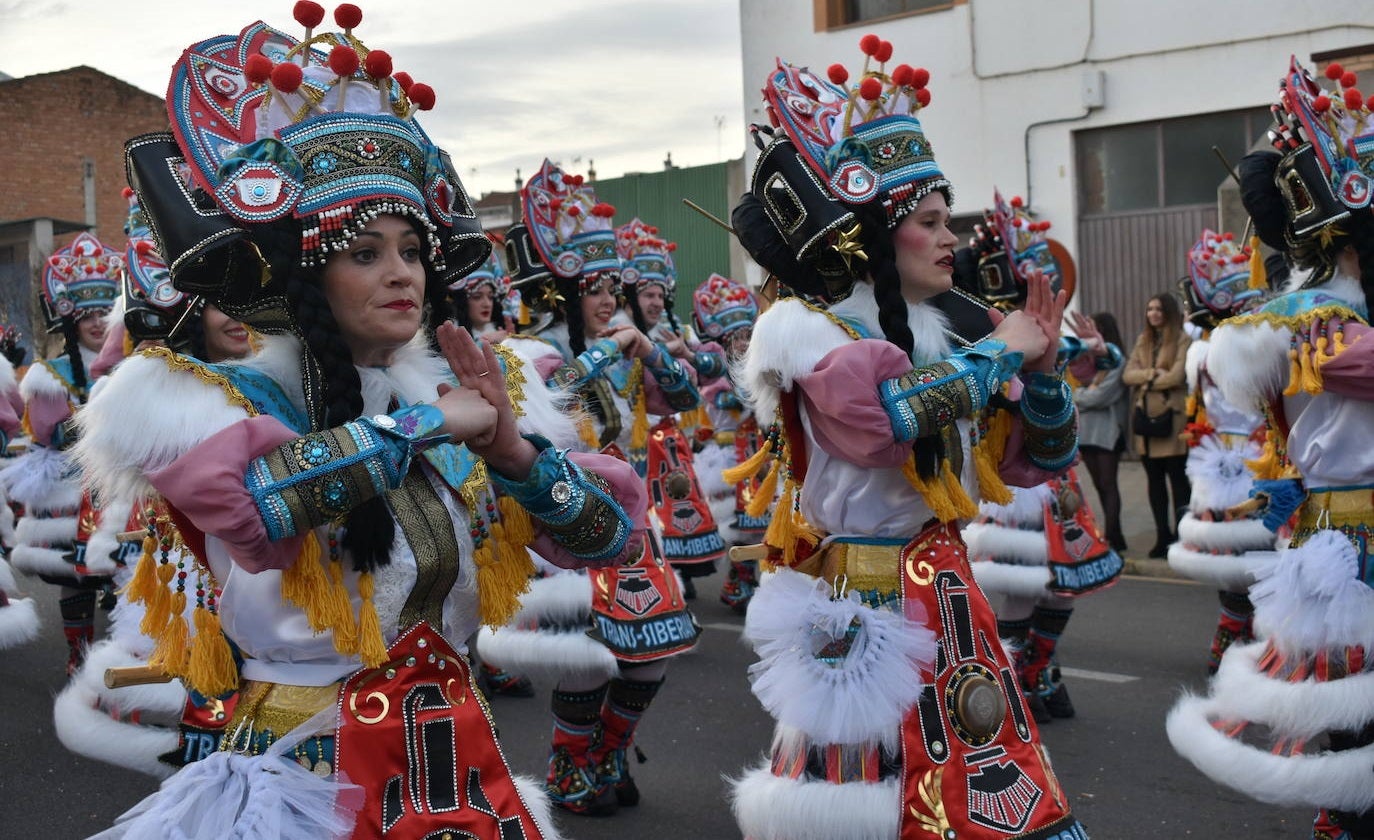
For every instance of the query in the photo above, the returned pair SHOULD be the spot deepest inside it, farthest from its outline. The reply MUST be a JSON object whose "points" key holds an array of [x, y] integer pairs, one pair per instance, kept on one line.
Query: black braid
{"points": [[71, 345], [632, 300], [192, 338], [668, 303], [1362, 238], [458, 301], [572, 315], [369, 528]]}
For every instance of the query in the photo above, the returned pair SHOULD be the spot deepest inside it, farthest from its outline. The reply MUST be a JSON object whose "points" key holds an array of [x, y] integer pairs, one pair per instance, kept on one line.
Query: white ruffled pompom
{"points": [[1312, 599], [870, 674]]}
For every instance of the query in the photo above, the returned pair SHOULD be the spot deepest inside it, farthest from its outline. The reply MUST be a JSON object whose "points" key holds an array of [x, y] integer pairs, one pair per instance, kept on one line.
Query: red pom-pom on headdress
{"points": [[422, 95], [1228, 236], [1321, 104], [1334, 71], [378, 64], [1349, 79], [870, 88], [308, 13], [348, 15], [902, 75], [143, 247], [1018, 201], [343, 60], [920, 77], [286, 77], [574, 180], [258, 68], [923, 96], [671, 247], [884, 51], [837, 73], [555, 203], [575, 211], [870, 43], [127, 192], [1353, 99], [1369, 103], [404, 80]]}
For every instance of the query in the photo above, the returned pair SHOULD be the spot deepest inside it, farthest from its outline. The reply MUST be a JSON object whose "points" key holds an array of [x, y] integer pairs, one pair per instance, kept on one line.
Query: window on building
{"points": [[834, 14], [1148, 166]]}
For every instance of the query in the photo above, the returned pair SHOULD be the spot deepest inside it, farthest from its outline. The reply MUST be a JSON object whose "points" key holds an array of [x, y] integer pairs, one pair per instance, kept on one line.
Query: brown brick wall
{"points": [[50, 124]]}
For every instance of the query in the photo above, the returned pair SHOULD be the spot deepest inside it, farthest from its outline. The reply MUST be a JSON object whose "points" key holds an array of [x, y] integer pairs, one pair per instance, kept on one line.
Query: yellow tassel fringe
{"points": [[1258, 277], [371, 648], [749, 467], [990, 484], [173, 643], [158, 609], [211, 671], [767, 490]]}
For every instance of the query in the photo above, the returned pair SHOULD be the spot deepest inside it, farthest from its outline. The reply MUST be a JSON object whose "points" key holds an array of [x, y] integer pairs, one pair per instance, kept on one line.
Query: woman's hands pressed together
{"points": [[1033, 330], [479, 411], [633, 344]]}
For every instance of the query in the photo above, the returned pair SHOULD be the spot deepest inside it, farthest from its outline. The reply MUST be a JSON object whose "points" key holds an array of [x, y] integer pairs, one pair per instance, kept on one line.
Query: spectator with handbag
{"points": [[1156, 371], [1101, 403]]}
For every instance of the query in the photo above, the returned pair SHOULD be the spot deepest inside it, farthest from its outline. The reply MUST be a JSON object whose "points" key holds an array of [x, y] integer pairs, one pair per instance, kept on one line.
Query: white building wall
{"points": [[1007, 75]]}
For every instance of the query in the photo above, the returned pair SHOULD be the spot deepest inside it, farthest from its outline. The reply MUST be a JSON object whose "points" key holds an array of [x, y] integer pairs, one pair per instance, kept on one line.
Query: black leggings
{"points": [[1156, 470], [1102, 465]]}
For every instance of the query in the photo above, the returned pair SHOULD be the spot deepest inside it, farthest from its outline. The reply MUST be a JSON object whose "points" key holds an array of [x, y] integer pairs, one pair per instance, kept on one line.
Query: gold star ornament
{"points": [[848, 245]]}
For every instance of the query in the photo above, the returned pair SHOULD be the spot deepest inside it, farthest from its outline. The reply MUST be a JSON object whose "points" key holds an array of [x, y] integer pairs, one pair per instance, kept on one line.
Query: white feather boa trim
{"points": [[1232, 535], [1231, 572], [1328, 779], [1027, 507], [87, 716], [18, 623], [1311, 598], [861, 698], [769, 807], [993, 542], [1011, 579], [42, 480], [1218, 472], [546, 654]]}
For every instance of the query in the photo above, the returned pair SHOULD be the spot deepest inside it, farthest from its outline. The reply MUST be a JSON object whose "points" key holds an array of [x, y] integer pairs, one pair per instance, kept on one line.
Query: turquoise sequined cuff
{"points": [[919, 403], [319, 477], [590, 363], [709, 365], [574, 505], [1049, 421], [672, 379]]}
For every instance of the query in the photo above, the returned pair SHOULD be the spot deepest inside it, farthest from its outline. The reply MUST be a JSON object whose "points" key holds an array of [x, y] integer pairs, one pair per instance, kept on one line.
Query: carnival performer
{"points": [[140, 727], [18, 614], [479, 306], [356, 503], [606, 636], [691, 537], [871, 628], [1289, 719], [1042, 549], [80, 282], [1213, 546], [479, 299], [724, 312]]}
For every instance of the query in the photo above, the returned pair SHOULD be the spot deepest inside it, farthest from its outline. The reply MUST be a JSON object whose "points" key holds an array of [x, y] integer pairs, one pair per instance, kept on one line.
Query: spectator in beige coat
{"points": [[1155, 372]]}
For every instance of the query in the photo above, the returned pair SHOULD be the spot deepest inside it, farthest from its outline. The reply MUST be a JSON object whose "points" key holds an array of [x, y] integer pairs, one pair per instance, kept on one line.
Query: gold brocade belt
{"points": [[1336, 509], [860, 566], [725, 438], [278, 708]]}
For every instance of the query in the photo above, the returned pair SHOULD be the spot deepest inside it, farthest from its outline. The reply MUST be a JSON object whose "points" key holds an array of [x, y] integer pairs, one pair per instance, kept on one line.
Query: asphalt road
{"points": [[1131, 649]]}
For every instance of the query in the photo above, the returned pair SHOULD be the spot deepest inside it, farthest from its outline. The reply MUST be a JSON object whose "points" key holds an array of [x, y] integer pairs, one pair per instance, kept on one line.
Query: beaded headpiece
{"points": [[1218, 280], [566, 244], [720, 306], [1011, 247], [319, 131], [490, 273], [80, 281], [1327, 142], [647, 258], [152, 305]]}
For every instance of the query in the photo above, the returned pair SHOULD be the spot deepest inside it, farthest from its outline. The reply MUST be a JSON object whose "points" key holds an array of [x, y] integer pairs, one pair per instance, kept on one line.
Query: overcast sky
{"points": [[620, 82]]}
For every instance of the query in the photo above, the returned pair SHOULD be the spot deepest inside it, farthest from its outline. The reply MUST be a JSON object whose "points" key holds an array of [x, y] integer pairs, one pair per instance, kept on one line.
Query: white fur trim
{"points": [[1293, 710], [184, 413], [546, 411], [1027, 507], [993, 542], [861, 699], [40, 481], [33, 560], [1011, 579], [113, 517], [84, 715], [536, 800], [1311, 598], [546, 654], [769, 807], [46, 531], [1237, 534], [1332, 780], [18, 623], [39, 381], [1193, 362], [1226, 571], [1219, 474], [563, 598], [710, 461], [1249, 362], [6, 520], [7, 580]]}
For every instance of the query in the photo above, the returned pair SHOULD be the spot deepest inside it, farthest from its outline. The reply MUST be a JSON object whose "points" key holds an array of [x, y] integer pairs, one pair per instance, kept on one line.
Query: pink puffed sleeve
{"points": [[47, 411], [206, 486], [626, 487], [1084, 368], [10, 412], [546, 365], [842, 403], [1351, 374]]}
